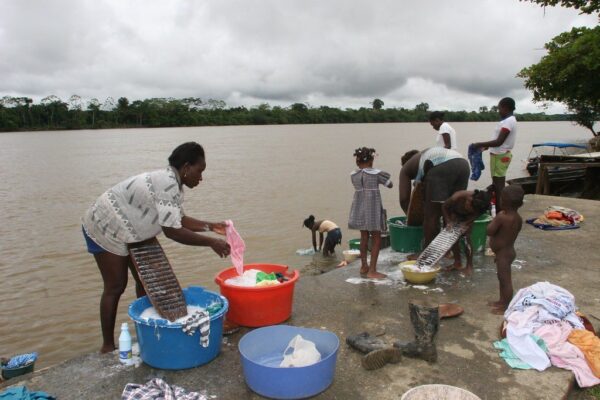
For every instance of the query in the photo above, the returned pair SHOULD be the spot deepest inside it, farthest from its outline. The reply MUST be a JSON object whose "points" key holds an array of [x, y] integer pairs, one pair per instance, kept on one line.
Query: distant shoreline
{"points": [[21, 114]]}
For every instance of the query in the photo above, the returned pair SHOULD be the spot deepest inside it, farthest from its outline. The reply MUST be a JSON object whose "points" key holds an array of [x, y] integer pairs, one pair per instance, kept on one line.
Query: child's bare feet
{"points": [[457, 266], [376, 275], [467, 272], [107, 348], [499, 310], [493, 303]]}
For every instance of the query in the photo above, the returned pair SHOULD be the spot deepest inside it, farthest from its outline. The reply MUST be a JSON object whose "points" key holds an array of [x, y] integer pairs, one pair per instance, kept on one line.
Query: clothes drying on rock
{"points": [[236, 246], [557, 218], [511, 358], [589, 344], [200, 320], [476, 161], [566, 355], [556, 304], [548, 311], [158, 389]]}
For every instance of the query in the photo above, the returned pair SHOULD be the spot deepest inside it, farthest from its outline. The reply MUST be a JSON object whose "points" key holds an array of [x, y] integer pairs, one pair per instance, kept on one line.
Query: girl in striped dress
{"points": [[366, 213]]}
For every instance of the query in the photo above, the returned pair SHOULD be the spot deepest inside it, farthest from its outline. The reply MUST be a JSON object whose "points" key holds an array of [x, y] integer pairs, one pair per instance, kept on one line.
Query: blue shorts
{"points": [[92, 247]]}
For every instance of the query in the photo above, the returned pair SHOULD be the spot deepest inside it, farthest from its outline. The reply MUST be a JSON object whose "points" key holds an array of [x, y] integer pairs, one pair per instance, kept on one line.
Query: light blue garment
{"points": [[22, 360], [22, 393], [437, 156], [511, 358]]}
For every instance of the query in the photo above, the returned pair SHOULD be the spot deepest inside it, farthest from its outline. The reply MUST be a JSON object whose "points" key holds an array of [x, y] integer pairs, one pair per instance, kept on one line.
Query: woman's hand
{"points": [[220, 247], [218, 227]]}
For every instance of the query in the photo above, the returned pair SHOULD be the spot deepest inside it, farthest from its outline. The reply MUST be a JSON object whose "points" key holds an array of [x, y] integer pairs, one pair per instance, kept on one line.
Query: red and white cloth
{"points": [[236, 245]]}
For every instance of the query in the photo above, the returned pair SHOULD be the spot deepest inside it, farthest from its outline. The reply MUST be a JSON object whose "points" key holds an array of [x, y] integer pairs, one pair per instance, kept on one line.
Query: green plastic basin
{"points": [[403, 238], [478, 234]]}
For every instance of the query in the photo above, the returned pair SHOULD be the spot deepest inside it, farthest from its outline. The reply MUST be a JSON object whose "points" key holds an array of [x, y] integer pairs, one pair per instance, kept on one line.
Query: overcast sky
{"points": [[453, 55]]}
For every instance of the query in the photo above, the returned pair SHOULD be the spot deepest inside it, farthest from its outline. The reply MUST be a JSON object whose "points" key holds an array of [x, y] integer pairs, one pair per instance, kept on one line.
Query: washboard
{"points": [[158, 278]]}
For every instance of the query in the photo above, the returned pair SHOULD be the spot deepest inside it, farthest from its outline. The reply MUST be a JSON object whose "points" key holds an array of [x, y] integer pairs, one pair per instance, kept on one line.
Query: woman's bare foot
{"points": [[376, 275], [364, 270], [493, 303], [467, 272], [107, 348]]}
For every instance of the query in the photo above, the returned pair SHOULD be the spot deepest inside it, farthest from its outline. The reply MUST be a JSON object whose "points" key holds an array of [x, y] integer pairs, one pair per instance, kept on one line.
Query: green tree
{"points": [[585, 6], [377, 104], [570, 74], [423, 107]]}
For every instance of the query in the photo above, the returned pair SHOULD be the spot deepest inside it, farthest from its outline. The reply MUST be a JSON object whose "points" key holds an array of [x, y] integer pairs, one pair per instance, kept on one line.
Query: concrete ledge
{"points": [[466, 356]]}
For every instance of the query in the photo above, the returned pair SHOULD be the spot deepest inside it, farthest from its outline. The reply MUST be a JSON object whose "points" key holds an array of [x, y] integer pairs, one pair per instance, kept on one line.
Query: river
{"points": [[267, 179]]}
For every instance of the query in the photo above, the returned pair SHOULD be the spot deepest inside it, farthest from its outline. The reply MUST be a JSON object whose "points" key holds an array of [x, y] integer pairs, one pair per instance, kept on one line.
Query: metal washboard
{"points": [[158, 278], [439, 246]]}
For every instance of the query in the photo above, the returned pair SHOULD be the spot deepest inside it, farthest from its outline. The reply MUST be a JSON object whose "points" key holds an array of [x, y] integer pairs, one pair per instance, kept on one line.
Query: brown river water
{"points": [[267, 179]]}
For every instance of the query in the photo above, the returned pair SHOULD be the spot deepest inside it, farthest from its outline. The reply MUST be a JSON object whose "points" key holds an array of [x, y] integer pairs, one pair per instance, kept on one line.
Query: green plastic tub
{"points": [[354, 244], [478, 234], [403, 238]]}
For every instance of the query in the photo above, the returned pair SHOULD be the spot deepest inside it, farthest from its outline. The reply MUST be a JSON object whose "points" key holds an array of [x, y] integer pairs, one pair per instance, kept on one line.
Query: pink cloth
{"points": [[237, 247], [566, 355]]}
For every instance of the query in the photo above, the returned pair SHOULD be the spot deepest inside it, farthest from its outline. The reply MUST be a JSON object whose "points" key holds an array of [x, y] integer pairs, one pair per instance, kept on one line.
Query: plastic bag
{"points": [[304, 353]]}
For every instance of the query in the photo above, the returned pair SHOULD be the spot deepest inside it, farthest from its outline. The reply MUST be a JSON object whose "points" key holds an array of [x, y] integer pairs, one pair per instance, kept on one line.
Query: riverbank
{"points": [[466, 357]]}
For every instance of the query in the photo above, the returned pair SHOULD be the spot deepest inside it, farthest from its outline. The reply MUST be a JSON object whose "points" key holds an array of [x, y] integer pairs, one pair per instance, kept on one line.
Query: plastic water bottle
{"points": [[125, 355]]}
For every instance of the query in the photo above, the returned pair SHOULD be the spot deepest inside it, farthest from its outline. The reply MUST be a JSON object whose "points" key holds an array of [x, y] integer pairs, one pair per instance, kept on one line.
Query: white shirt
{"points": [[446, 128], [437, 156], [509, 123], [135, 210]]}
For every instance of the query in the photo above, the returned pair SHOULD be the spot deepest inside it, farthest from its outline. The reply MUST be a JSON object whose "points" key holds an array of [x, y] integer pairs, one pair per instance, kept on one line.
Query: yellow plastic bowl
{"points": [[417, 277], [351, 255]]}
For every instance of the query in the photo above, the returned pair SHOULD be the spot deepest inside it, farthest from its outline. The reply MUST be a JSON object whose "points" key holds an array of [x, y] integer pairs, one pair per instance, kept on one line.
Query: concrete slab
{"points": [[466, 356]]}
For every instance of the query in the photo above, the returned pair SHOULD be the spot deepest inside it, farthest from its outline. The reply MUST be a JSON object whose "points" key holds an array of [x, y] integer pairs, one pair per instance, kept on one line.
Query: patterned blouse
{"points": [[135, 210]]}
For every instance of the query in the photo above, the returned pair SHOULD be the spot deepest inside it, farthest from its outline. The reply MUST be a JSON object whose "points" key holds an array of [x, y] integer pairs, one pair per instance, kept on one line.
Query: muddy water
{"points": [[266, 179]]}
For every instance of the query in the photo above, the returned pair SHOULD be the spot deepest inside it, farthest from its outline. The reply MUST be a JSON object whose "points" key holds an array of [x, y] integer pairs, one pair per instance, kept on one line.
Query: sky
{"points": [[453, 55]]}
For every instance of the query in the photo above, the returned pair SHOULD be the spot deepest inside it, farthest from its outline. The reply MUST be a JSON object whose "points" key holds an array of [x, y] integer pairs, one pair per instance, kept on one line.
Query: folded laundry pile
{"points": [[256, 278], [543, 329], [557, 218]]}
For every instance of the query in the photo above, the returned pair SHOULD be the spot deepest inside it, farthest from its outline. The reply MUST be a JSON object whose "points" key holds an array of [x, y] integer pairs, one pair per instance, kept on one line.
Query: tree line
{"points": [[53, 113]]}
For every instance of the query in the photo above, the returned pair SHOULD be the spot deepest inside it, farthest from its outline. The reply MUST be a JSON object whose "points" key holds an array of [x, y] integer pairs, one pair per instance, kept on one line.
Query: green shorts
{"points": [[499, 164]]}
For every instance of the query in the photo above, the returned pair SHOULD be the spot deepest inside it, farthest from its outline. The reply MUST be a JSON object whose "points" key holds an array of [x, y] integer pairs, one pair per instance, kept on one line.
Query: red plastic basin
{"points": [[258, 306]]}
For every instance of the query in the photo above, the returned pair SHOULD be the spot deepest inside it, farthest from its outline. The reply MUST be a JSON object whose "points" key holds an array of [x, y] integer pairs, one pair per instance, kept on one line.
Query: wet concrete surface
{"points": [[466, 357]]}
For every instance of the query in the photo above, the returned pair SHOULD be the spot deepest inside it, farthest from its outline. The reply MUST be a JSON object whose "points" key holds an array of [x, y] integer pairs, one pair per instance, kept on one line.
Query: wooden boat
{"points": [[551, 148]]}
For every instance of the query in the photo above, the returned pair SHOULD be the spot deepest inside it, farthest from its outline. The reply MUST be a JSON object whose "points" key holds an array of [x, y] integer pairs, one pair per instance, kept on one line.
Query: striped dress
{"points": [[366, 213]]}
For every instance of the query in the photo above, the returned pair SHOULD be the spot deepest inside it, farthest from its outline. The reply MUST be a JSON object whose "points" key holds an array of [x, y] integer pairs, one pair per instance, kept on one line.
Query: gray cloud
{"points": [[453, 55]]}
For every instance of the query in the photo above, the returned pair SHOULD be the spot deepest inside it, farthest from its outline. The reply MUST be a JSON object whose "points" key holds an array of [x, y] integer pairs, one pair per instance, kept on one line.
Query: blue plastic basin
{"points": [[165, 346], [262, 351]]}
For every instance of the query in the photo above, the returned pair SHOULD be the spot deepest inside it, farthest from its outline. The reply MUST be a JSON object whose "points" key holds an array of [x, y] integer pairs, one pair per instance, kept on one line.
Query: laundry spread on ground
{"points": [[158, 389], [22, 393], [543, 329], [257, 278], [236, 246], [557, 218]]}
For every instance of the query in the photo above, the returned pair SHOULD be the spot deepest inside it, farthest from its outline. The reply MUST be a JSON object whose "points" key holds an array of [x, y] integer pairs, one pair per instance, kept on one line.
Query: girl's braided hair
{"points": [[364, 154]]}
